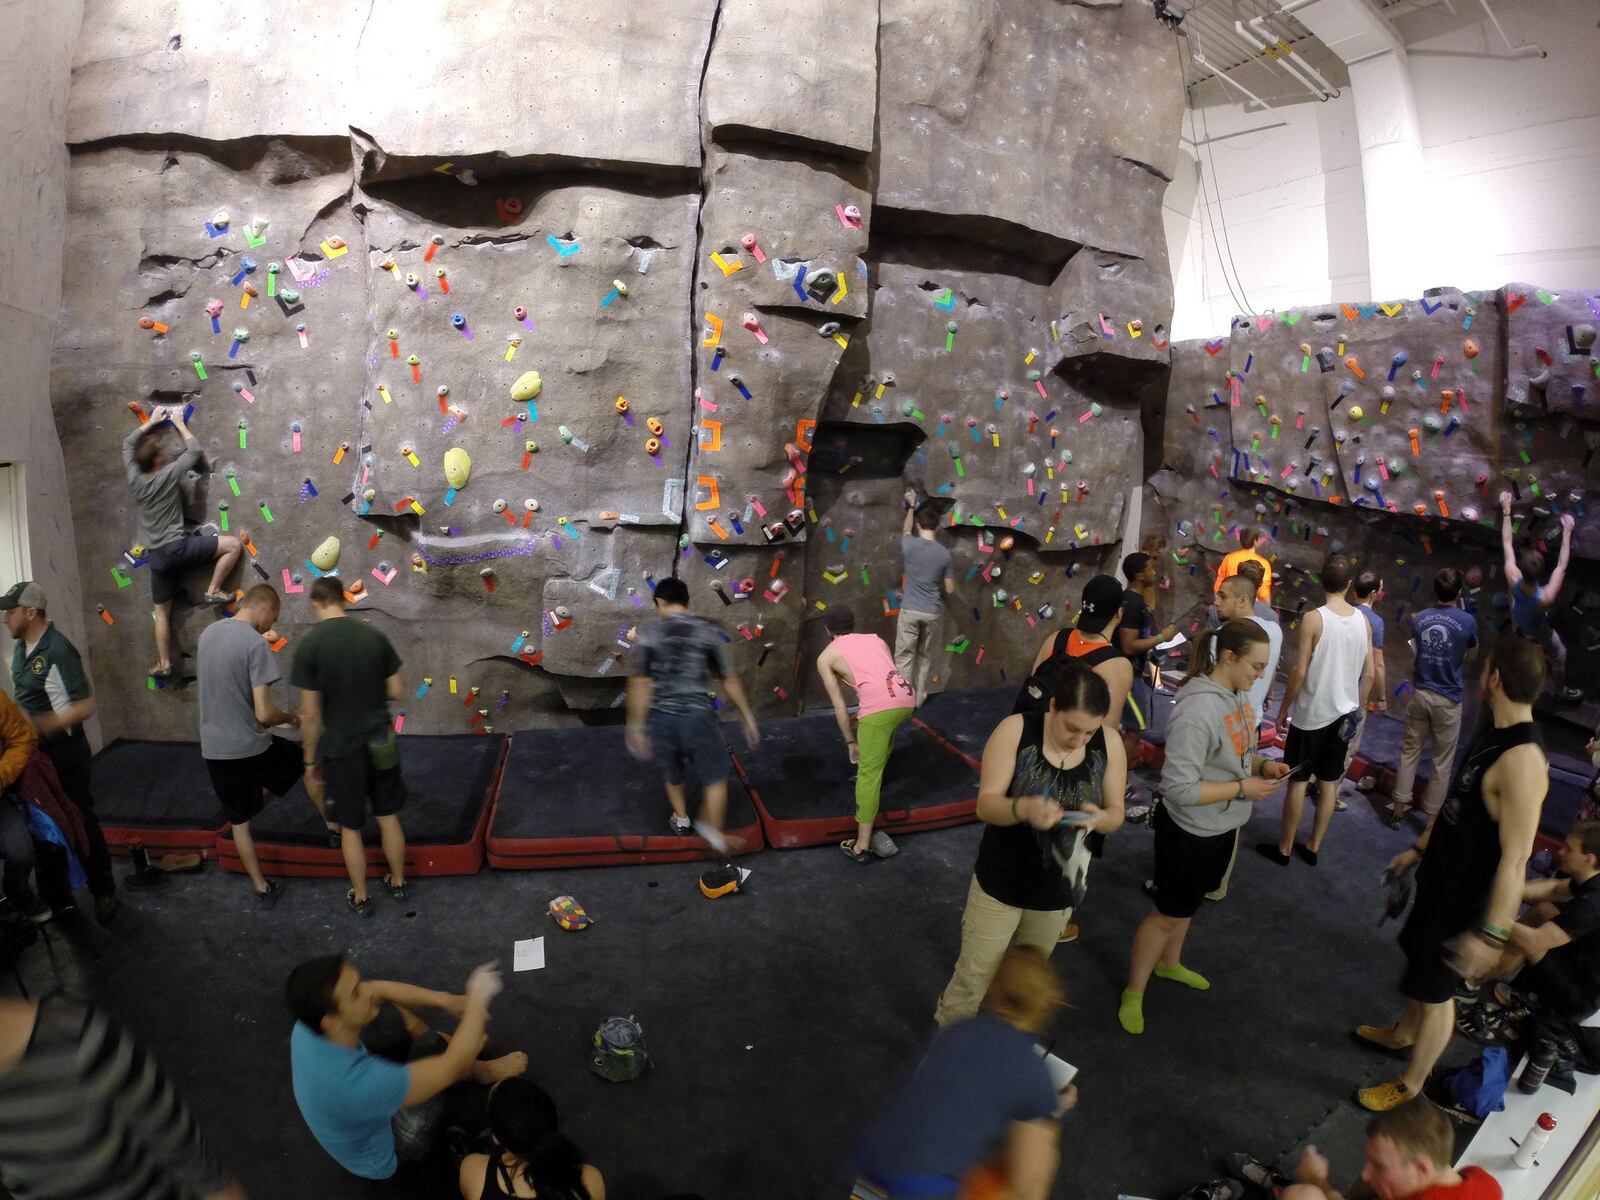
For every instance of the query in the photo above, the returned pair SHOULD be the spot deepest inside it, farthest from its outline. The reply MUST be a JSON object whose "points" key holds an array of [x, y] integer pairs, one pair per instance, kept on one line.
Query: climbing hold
{"points": [[654, 425], [457, 467], [326, 556], [289, 296], [499, 506], [652, 446], [621, 404], [220, 219], [413, 359], [412, 279], [1469, 348], [459, 320], [213, 308], [527, 386], [520, 313]]}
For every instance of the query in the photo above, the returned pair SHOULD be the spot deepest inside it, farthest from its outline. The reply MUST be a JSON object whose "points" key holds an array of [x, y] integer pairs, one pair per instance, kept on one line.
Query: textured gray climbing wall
{"points": [[772, 263], [1387, 430]]}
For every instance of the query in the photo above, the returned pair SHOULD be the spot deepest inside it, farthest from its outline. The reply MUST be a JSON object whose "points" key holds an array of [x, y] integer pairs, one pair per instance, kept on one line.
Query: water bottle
{"points": [[1539, 1064], [1534, 1141]]}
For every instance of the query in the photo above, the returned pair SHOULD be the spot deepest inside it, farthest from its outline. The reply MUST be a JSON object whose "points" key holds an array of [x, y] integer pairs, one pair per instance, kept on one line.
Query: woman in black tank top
{"points": [[528, 1156], [1049, 779]]}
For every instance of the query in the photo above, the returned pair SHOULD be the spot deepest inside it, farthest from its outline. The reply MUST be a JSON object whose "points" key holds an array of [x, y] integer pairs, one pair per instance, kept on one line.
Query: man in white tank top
{"points": [[1327, 688]]}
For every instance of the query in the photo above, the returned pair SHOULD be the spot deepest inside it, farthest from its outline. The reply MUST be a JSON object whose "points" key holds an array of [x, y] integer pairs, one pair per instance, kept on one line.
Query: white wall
{"points": [[36, 44], [1512, 150]]}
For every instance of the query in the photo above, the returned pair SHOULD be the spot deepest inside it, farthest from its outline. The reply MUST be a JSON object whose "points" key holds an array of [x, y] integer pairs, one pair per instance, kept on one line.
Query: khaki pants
{"points": [[915, 637], [988, 930], [1428, 713], [1355, 743]]}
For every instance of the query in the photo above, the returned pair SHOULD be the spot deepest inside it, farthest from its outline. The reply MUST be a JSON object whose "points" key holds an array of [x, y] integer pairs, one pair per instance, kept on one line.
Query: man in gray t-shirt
{"points": [[676, 660], [236, 671], [170, 547], [929, 575]]}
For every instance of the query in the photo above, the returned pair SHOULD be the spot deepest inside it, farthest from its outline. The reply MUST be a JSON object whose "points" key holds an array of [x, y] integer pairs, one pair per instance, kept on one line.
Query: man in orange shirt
{"points": [[1251, 540], [1408, 1155]]}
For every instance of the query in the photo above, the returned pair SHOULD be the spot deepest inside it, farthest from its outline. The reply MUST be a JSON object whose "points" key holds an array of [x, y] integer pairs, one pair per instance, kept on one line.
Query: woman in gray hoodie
{"points": [[1210, 783]]}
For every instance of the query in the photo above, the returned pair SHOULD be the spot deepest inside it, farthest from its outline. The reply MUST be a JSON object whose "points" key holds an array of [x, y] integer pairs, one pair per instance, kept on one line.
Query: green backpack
{"points": [[619, 1054]]}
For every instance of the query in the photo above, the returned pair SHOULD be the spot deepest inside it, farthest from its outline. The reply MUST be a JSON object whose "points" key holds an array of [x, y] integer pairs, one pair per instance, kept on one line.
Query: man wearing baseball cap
{"points": [[53, 692]]}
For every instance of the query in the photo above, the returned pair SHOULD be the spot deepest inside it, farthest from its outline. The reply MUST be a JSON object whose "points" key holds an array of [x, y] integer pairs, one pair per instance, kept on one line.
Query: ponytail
{"points": [[1201, 660], [554, 1169]]}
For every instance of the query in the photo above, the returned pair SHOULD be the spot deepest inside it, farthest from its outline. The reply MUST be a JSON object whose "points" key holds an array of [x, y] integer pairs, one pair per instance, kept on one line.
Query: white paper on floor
{"points": [[528, 955]]}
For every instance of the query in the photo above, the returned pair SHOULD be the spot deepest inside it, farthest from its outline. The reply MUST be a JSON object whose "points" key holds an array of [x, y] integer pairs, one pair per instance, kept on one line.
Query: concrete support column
{"points": [[1394, 177], [1393, 172]]}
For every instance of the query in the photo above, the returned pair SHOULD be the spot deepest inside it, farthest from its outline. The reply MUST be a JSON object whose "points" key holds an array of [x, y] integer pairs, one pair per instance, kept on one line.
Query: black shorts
{"points": [[169, 562], [1188, 865], [1428, 976], [1316, 753], [241, 783], [353, 784], [688, 742]]}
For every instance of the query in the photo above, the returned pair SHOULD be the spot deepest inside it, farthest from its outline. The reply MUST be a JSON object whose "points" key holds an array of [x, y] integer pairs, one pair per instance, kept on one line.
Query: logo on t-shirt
{"points": [[36, 665]]}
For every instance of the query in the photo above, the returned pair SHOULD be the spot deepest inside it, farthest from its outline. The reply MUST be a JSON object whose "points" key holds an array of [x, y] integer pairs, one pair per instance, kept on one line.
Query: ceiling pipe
{"points": [[1291, 69], [1289, 58], [1198, 55], [1527, 51]]}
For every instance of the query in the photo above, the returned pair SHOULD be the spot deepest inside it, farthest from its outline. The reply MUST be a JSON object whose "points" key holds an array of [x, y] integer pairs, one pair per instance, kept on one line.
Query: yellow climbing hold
{"points": [[527, 386]]}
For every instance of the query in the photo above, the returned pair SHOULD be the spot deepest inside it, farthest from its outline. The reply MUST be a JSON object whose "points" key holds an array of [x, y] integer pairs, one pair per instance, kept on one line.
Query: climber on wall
{"points": [[1531, 601], [161, 529]]}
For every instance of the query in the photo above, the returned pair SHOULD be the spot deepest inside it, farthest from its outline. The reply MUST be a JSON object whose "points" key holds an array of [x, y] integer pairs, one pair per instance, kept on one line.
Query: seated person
{"points": [[1408, 1154], [1558, 938], [528, 1155], [980, 1104], [373, 1104], [17, 742]]}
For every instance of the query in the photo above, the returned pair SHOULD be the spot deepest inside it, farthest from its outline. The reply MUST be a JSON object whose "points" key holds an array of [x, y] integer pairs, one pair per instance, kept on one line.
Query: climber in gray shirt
{"points": [[928, 568], [171, 548]]}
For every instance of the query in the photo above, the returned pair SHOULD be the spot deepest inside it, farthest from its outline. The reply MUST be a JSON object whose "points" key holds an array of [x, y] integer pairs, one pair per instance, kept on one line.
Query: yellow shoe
{"points": [[1384, 1096], [1069, 933], [1381, 1035]]}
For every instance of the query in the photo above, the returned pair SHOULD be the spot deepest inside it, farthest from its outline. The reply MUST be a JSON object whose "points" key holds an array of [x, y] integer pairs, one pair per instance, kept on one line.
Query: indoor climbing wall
{"points": [[703, 303], [1388, 431]]}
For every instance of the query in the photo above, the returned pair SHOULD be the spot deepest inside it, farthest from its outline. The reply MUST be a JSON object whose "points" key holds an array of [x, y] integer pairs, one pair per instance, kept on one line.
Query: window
{"points": [[14, 560]]}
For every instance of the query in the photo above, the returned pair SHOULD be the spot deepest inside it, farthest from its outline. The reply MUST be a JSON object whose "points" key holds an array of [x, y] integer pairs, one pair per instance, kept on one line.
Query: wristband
{"points": [[1014, 800], [1494, 931], [309, 762], [1418, 849], [1498, 943]]}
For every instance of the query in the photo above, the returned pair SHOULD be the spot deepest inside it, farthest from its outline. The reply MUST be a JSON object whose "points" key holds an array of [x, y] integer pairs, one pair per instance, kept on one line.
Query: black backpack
{"points": [[1041, 685]]}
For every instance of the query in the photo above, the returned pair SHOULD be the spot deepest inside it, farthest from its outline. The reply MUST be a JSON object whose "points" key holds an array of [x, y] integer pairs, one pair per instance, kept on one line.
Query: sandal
{"points": [[160, 672], [217, 599], [175, 862], [396, 890]]}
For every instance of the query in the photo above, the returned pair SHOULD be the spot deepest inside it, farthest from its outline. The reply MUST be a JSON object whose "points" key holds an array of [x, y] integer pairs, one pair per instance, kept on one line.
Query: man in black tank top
{"points": [[1474, 858]]}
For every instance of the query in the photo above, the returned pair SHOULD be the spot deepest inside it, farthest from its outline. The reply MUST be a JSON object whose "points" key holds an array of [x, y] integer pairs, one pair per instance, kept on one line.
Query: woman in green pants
{"points": [[862, 661]]}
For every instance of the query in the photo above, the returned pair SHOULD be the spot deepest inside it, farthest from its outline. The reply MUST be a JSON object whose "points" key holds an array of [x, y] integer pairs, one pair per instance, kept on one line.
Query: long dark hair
{"points": [[523, 1121], [1237, 635]]}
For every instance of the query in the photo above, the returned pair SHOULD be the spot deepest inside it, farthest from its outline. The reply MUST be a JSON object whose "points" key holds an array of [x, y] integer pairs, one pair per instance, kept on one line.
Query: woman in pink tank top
{"points": [[863, 661]]}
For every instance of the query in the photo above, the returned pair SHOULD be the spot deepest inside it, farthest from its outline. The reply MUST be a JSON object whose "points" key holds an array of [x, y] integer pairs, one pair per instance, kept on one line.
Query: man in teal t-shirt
{"points": [[347, 673]]}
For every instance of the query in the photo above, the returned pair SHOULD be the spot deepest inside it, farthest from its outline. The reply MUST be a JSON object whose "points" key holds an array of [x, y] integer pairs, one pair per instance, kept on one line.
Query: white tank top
{"points": [[1332, 680]]}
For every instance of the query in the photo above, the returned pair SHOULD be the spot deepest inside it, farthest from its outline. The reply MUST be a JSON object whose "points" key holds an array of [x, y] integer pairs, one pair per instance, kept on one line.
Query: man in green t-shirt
{"points": [[52, 689], [347, 673]]}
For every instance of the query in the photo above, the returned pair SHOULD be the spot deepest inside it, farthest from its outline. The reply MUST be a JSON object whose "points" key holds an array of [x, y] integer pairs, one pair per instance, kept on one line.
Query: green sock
{"points": [[1130, 1013], [1179, 973]]}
